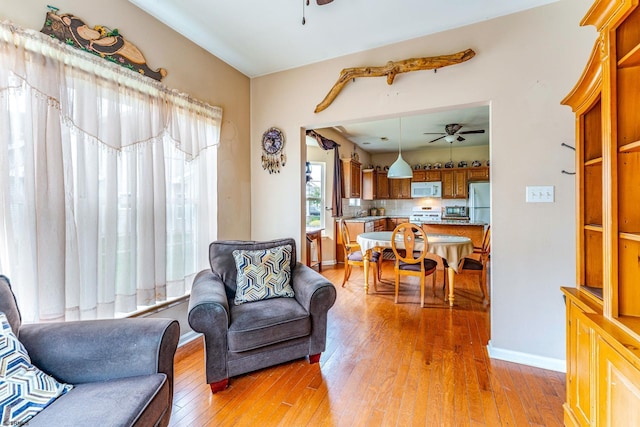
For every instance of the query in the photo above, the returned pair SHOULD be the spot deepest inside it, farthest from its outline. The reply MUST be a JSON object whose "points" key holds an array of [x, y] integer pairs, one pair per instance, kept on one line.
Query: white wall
{"points": [[525, 64]]}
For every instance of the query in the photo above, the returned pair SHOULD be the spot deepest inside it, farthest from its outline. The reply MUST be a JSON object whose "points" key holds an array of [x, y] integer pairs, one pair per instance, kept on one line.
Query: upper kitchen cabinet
{"points": [[352, 178], [400, 188], [375, 184], [454, 184], [426, 175], [478, 174]]}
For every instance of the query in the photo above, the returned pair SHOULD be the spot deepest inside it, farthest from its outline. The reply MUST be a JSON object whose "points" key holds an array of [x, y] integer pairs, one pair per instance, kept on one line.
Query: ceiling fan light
{"points": [[450, 138], [400, 169]]}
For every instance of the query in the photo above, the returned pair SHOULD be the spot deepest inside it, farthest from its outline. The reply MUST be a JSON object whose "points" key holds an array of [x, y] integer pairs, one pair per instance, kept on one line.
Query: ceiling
{"points": [[380, 136], [261, 37]]}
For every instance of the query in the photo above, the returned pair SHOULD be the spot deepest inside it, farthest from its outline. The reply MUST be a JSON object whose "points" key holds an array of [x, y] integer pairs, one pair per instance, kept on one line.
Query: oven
{"points": [[420, 214]]}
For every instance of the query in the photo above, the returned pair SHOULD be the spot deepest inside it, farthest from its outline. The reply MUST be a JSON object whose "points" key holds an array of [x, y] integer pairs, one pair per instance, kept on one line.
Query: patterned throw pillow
{"points": [[263, 274], [24, 389]]}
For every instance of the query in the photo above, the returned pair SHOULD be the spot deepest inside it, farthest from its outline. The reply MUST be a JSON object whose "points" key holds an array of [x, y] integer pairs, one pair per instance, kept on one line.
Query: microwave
{"points": [[455, 212], [426, 189]]}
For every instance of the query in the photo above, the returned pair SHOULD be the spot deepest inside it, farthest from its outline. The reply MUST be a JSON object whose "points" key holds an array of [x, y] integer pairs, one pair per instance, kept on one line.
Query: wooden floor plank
{"points": [[385, 364]]}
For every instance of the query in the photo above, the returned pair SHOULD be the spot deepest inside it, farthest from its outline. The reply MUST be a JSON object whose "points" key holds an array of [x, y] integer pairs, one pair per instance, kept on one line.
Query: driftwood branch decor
{"points": [[391, 69]]}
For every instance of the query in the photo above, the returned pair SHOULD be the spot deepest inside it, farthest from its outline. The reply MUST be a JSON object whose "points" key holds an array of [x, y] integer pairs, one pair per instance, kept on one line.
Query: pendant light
{"points": [[400, 169]]}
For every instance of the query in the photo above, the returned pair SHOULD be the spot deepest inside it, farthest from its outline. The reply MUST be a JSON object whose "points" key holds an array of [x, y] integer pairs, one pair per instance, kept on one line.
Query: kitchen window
{"points": [[315, 194]]}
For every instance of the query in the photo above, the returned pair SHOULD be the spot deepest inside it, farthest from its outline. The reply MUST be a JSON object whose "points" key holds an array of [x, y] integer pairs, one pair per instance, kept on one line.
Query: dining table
{"points": [[447, 246]]}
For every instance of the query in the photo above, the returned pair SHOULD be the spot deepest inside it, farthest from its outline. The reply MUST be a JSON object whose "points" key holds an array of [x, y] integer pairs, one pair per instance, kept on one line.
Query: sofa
{"points": [[121, 369], [241, 338]]}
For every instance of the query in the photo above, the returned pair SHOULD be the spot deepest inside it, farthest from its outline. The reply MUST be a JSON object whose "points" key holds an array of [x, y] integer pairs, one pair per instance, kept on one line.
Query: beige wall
{"points": [[525, 64], [191, 70]]}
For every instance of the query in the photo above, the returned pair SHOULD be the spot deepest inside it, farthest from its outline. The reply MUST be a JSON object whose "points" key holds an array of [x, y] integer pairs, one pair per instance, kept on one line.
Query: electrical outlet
{"points": [[540, 194]]}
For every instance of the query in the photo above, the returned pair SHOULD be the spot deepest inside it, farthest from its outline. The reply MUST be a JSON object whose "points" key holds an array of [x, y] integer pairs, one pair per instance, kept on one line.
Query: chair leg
{"points": [[219, 385], [375, 281], [433, 283], [483, 287], [397, 285], [347, 273], [422, 291]]}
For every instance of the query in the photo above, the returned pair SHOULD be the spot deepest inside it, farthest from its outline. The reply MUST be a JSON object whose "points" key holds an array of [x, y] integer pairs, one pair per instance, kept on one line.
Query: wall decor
{"points": [[273, 150], [390, 69], [99, 40]]}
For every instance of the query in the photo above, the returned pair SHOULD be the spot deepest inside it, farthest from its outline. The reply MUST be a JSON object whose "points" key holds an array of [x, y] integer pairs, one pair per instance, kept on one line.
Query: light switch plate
{"points": [[540, 194]]}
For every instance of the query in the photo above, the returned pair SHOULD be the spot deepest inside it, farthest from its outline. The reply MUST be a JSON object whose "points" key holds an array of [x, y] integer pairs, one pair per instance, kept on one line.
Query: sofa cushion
{"points": [[24, 389], [263, 274], [261, 323], [119, 402]]}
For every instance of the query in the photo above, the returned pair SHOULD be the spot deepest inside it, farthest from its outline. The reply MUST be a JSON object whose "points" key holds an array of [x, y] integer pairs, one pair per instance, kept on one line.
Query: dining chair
{"points": [[476, 263], [409, 261], [353, 256]]}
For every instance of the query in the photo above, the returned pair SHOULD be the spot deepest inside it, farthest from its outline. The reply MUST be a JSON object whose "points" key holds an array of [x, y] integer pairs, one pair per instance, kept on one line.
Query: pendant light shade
{"points": [[400, 169]]}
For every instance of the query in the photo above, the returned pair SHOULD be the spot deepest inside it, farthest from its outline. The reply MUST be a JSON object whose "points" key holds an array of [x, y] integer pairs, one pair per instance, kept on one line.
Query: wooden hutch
{"points": [[603, 311]]}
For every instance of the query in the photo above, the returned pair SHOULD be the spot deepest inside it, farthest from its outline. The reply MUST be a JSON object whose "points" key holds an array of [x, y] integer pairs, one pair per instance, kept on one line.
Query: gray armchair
{"points": [[121, 369], [254, 335]]}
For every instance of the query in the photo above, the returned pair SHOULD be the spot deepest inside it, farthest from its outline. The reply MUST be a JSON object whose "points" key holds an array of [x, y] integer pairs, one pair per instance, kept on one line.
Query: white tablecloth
{"points": [[447, 246]]}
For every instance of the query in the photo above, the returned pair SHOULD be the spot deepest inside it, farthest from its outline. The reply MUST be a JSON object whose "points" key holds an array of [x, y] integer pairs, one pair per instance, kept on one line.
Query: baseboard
{"points": [[187, 337], [559, 365]]}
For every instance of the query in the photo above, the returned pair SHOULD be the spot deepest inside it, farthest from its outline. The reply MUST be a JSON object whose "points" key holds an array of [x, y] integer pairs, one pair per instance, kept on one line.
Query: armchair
{"points": [[254, 335], [121, 369]]}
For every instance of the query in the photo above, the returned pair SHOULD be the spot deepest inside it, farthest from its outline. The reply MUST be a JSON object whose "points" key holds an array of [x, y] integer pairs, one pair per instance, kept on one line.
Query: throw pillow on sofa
{"points": [[263, 274], [24, 389]]}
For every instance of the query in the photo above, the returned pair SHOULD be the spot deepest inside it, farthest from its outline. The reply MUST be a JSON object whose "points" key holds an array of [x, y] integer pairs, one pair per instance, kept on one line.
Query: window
{"points": [[315, 194]]}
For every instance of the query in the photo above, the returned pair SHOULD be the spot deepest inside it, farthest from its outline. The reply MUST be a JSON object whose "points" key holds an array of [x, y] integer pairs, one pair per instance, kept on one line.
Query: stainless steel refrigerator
{"points": [[480, 202]]}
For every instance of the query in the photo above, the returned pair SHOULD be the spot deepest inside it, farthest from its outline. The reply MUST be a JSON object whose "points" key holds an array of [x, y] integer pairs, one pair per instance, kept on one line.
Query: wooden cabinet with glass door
{"points": [[603, 310]]}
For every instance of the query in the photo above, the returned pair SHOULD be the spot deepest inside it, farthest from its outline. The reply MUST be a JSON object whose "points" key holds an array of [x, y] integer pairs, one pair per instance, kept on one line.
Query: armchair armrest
{"points": [[98, 350], [209, 314]]}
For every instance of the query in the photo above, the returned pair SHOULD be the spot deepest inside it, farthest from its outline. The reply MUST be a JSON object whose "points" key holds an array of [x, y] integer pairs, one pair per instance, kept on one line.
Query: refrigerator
{"points": [[480, 202]]}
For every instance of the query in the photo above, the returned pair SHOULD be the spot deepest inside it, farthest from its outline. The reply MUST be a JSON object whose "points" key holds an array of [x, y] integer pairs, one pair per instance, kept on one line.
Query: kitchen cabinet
{"points": [[382, 185], [352, 178], [426, 175], [603, 308], [400, 188], [355, 227], [454, 184], [479, 174], [375, 184], [392, 223]]}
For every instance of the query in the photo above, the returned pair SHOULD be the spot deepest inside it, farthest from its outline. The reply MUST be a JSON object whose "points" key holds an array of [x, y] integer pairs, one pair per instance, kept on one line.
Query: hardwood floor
{"points": [[385, 364]]}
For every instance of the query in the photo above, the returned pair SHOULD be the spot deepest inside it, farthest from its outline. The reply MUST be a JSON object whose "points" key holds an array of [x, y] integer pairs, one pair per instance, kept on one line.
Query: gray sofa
{"points": [[251, 336], [121, 369]]}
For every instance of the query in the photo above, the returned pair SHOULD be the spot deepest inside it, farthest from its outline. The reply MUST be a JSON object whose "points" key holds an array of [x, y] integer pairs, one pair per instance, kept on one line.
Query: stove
{"points": [[425, 214]]}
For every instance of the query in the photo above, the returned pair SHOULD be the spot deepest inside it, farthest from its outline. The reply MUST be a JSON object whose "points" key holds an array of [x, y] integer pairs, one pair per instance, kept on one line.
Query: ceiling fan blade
{"points": [[321, 2], [471, 131], [433, 133], [434, 140], [461, 138]]}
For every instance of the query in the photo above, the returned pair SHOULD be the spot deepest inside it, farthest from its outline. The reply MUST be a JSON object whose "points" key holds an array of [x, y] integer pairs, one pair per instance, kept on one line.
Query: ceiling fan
{"points": [[319, 2], [452, 133]]}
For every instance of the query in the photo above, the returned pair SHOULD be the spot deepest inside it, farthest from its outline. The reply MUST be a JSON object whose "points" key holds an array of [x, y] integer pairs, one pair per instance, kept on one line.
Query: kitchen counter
{"points": [[453, 222], [373, 218], [444, 221]]}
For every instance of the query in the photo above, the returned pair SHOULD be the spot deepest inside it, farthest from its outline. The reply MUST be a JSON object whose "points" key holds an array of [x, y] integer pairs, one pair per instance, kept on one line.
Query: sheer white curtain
{"points": [[107, 182]]}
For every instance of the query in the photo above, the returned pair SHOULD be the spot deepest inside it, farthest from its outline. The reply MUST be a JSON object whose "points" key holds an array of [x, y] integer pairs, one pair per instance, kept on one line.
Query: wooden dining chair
{"points": [[476, 263], [353, 256], [409, 261]]}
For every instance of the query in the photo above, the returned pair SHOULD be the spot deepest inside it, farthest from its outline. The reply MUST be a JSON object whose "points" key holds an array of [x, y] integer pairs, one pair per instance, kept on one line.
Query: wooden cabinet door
{"points": [[352, 178], [419, 176], [400, 188], [382, 185], [433, 175], [618, 386], [368, 184], [454, 184], [580, 357], [479, 174], [460, 183]]}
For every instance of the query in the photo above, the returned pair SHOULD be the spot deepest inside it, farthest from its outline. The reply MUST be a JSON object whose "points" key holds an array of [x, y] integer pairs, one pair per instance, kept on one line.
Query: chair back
{"points": [[344, 236], [8, 305], [486, 241], [411, 236]]}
